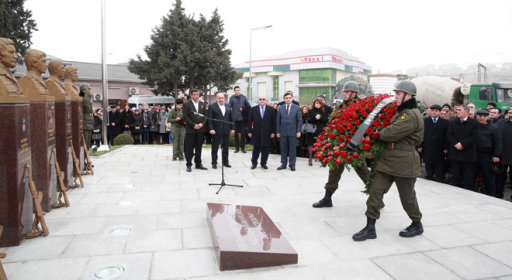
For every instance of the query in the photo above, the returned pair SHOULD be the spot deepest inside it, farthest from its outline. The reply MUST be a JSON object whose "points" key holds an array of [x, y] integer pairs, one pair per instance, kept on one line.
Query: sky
{"points": [[390, 36]]}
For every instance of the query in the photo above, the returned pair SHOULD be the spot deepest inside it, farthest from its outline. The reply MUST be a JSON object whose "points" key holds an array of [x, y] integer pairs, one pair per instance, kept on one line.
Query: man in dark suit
{"points": [[434, 146], [219, 130], [462, 142], [194, 114], [261, 128], [288, 126]]}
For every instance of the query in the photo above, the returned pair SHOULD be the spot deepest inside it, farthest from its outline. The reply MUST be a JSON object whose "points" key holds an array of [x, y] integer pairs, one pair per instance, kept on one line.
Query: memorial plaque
{"points": [[16, 206], [77, 130], [42, 139], [63, 123], [246, 237]]}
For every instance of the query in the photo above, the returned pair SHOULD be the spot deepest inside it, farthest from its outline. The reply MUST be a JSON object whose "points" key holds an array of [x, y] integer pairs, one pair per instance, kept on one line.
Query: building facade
{"points": [[307, 73]]}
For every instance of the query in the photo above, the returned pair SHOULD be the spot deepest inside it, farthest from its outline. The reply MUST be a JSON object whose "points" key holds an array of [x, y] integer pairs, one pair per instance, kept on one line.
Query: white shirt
{"points": [[196, 105], [434, 120], [222, 108]]}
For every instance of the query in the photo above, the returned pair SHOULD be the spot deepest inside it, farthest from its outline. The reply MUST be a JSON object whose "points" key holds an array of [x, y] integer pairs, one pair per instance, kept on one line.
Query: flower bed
{"points": [[332, 146]]}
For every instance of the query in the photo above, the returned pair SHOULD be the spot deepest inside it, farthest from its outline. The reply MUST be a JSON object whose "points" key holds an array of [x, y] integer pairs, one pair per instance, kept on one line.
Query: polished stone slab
{"points": [[77, 131], [42, 140], [246, 237], [63, 124], [15, 198]]}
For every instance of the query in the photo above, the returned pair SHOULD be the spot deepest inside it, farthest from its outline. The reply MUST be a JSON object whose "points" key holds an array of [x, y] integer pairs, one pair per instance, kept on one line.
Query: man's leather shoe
{"points": [[227, 165], [264, 166], [253, 166], [244, 151], [416, 228], [189, 169], [292, 168], [201, 167], [236, 151], [214, 166], [281, 167]]}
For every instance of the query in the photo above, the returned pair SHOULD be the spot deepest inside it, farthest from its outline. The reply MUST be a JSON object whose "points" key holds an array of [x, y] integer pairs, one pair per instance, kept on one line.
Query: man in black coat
{"points": [[488, 148], [505, 128], [462, 142], [220, 129], [261, 127], [434, 146], [195, 113], [114, 124]]}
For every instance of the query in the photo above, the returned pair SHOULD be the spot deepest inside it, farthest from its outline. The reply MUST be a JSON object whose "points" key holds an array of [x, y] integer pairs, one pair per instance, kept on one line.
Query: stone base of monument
{"points": [[246, 237]]}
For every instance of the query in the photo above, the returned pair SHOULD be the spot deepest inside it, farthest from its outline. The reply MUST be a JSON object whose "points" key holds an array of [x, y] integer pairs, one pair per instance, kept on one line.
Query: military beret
{"points": [[482, 112]]}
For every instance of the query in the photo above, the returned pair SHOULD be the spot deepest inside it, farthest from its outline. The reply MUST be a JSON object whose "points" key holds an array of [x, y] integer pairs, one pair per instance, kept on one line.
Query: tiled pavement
{"points": [[162, 209]]}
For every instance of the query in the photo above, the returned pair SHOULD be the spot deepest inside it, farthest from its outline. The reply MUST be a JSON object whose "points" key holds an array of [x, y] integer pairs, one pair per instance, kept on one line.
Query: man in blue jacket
{"points": [[288, 125]]}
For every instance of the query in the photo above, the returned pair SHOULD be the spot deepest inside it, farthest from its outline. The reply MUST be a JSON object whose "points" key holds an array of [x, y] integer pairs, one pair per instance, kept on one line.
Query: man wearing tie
{"points": [[288, 125], [220, 130], [261, 127], [434, 146]]}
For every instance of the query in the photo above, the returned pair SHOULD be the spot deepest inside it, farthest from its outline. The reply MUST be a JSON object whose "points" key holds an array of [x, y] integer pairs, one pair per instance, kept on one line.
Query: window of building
{"points": [[316, 76], [348, 68], [275, 87], [281, 67], [308, 94]]}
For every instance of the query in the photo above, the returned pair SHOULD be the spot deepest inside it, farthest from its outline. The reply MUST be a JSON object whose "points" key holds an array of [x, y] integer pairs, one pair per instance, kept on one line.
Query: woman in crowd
{"points": [[155, 127], [162, 120], [146, 124], [318, 117], [98, 128], [127, 119], [138, 125]]}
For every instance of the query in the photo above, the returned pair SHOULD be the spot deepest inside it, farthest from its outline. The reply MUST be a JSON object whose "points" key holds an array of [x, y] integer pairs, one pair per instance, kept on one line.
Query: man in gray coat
{"points": [[288, 125]]}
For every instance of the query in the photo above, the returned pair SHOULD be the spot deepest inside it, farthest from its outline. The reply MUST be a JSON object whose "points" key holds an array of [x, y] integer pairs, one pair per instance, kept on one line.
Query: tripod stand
{"points": [[223, 183]]}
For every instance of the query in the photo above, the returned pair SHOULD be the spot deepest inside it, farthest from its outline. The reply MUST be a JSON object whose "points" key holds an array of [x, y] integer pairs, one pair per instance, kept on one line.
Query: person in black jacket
{"points": [[261, 127], [114, 124], [220, 131], [434, 146], [138, 126], [505, 128], [488, 148], [195, 114], [317, 116], [239, 109], [461, 138]]}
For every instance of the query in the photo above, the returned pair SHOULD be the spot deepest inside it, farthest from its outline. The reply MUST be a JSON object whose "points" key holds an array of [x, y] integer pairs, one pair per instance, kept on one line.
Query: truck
{"points": [[440, 90]]}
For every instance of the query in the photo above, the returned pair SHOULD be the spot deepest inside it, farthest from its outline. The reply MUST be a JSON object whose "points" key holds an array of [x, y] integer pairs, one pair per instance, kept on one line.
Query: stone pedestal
{"points": [[245, 237], [77, 129], [16, 206], [42, 134], [63, 124]]}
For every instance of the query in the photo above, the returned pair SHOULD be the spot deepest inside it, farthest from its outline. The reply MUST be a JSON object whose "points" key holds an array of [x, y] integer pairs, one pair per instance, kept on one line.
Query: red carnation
{"points": [[376, 135], [369, 131], [338, 161], [342, 145], [353, 131], [343, 154], [348, 159], [336, 153], [355, 155], [340, 138], [319, 156], [366, 147], [331, 135]]}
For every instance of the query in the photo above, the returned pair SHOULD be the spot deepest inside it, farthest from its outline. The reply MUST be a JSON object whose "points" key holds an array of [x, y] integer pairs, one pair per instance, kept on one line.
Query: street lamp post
{"points": [[250, 58]]}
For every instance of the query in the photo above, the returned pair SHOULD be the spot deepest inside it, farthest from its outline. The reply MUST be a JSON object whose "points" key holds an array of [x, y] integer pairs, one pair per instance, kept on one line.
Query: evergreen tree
{"points": [[186, 53], [16, 23]]}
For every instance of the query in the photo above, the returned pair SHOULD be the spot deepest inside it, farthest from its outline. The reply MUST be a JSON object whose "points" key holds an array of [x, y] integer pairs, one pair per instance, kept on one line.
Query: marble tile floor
{"points": [[143, 214]]}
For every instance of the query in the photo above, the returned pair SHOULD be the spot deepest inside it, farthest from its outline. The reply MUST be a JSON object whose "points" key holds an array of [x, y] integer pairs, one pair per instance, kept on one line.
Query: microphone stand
{"points": [[223, 183]]}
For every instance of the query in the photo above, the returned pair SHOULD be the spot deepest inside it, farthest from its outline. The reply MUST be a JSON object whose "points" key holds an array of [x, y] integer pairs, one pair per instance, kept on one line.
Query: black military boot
{"points": [[324, 202], [368, 232], [416, 228]]}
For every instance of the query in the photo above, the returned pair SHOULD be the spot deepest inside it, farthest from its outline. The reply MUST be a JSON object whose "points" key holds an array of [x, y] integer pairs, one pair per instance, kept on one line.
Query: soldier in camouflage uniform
{"points": [[350, 90], [88, 117], [399, 163], [177, 130]]}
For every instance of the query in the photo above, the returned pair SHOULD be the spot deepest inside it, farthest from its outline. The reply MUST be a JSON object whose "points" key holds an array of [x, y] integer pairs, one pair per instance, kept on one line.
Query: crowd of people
{"points": [[468, 148]]}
